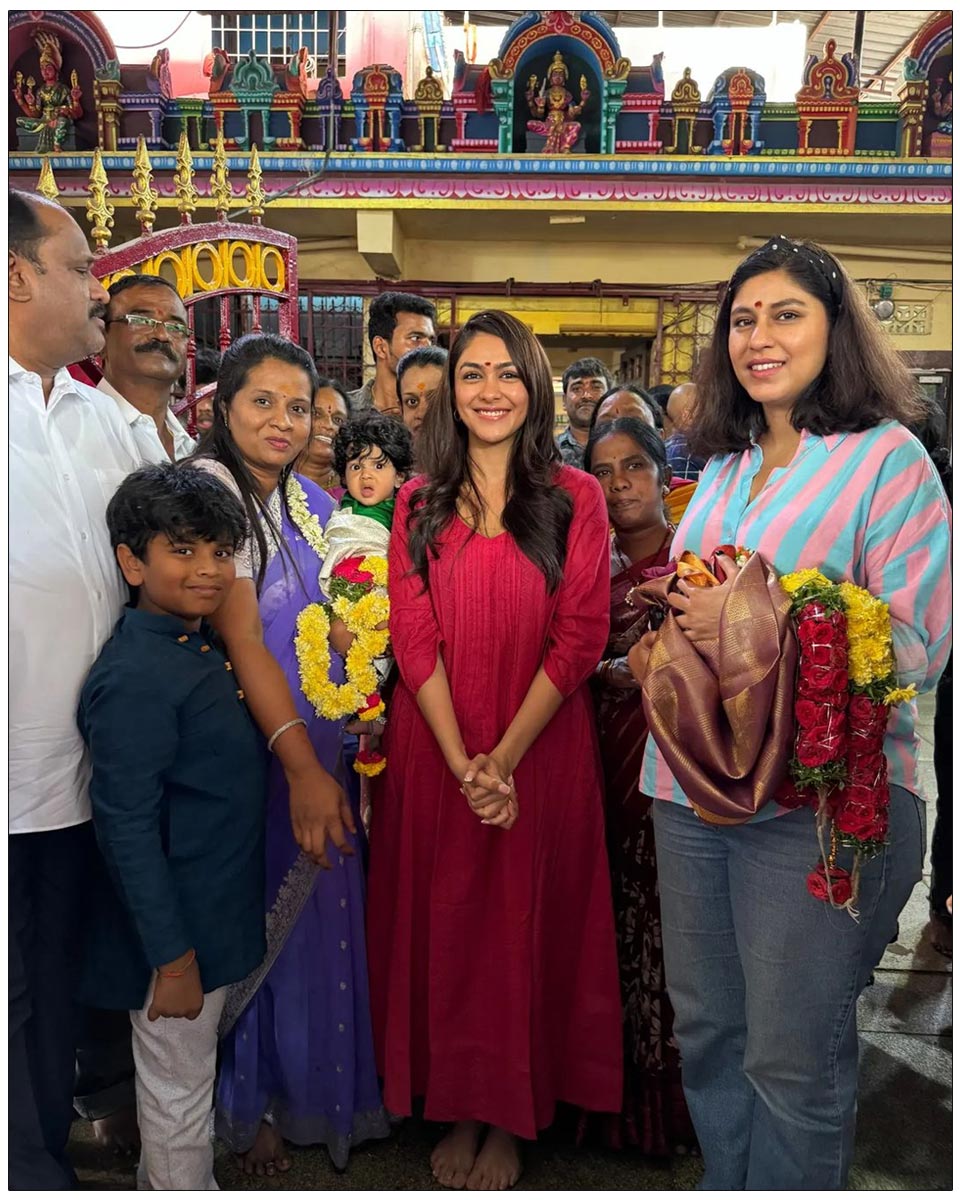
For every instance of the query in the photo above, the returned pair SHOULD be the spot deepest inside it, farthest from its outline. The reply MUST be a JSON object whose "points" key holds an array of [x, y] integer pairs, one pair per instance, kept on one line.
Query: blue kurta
{"points": [[178, 793]]}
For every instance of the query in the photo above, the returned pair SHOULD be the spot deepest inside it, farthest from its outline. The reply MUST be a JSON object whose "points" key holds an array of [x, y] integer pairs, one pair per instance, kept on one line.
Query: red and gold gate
{"points": [[233, 278]]}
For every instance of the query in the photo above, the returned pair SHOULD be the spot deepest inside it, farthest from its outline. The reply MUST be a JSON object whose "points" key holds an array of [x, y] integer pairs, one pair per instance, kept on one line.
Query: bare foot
{"points": [[498, 1164], [266, 1155], [119, 1132], [453, 1158]]}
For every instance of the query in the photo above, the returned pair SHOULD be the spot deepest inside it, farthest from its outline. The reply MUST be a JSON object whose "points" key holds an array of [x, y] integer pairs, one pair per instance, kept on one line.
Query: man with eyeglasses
{"points": [[144, 355], [584, 382]]}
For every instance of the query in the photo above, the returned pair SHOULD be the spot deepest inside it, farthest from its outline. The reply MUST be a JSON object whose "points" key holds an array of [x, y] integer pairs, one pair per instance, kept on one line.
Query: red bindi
{"points": [[757, 304], [488, 364]]}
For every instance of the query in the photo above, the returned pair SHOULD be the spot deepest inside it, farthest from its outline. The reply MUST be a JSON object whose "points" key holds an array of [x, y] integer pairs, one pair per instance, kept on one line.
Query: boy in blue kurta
{"points": [[178, 790]]}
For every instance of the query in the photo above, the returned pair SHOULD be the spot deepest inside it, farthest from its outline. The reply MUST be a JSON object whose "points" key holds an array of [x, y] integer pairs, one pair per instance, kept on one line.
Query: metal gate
{"points": [[233, 278], [685, 327]]}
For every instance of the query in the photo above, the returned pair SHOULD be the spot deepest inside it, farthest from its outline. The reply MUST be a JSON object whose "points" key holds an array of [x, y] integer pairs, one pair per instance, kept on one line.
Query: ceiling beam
{"points": [[891, 62], [821, 21]]}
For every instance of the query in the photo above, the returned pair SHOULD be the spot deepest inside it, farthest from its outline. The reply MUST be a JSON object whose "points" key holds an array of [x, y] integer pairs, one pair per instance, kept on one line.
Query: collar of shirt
{"points": [[140, 620], [64, 383], [183, 443], [830, 440]]}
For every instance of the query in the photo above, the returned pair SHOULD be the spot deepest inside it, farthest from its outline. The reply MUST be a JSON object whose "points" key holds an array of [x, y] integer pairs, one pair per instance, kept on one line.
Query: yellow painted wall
{"points": [[464, 263]]}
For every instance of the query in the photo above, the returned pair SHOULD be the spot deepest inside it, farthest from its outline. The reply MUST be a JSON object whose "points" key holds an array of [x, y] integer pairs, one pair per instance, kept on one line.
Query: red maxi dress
{"points": [[492, 954]]}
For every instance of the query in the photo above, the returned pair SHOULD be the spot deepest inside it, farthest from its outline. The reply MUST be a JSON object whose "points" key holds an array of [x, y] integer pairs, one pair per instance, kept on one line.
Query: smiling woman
{"points": [[273, 1060], [498, 590], [802, 404]]}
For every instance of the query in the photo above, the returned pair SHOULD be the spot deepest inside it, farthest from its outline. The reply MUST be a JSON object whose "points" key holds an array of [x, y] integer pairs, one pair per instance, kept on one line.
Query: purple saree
{"points": [[297, 1047]]}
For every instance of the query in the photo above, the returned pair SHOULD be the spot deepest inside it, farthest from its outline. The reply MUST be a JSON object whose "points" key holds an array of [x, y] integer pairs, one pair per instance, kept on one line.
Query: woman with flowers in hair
{"points": [[802, 407], [297, 1052]]}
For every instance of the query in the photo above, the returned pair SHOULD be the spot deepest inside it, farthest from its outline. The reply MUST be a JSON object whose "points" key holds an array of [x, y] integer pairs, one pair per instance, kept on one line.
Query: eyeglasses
{"points": [[175, 329]]}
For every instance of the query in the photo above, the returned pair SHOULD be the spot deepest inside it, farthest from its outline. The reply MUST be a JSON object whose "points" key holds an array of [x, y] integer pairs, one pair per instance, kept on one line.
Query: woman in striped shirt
{"points": [[802, 405]]}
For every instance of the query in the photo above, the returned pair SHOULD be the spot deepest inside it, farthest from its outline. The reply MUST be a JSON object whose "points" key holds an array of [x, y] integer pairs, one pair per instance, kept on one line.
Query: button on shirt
{"points": [[144, 430], [66, 459]]}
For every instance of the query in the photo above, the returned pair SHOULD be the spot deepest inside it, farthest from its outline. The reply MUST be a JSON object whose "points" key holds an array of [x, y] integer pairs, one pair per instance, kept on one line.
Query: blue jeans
{"points": [[764, 981]]}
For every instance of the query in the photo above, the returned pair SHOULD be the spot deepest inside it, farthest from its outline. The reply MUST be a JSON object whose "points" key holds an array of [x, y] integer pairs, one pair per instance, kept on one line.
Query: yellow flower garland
{"points": [[870, 658], [335, 700]]}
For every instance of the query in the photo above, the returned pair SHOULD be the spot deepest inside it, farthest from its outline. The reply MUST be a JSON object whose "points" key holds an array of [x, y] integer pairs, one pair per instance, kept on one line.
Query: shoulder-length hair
{"points": [[863, 382], [238, 361], [537, 512]]}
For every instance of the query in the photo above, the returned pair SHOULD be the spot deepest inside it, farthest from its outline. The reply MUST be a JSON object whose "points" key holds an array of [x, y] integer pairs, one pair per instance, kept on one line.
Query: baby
{"points": [[373, 454]]}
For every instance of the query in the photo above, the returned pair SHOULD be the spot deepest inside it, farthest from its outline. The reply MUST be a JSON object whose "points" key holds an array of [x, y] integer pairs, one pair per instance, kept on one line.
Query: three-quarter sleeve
{"points": [[133, 735], [414, 630], [906, 556], [580, 624]]}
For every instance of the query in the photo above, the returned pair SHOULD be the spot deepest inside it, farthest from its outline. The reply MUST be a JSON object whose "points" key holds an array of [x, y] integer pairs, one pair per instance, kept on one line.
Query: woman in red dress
{"points": [[492, 956]]}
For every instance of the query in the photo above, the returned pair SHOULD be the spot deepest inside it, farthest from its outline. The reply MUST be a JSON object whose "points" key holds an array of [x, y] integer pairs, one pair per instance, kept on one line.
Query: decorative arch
{"points": [[83, 28], [935, 36]]}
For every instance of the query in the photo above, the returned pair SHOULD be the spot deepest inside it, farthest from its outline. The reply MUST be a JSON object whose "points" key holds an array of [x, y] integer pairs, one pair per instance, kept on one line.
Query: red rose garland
{"points": [[846, 683]]}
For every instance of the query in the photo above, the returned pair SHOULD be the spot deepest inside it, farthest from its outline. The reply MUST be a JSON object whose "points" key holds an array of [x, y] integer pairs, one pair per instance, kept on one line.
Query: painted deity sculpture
{"points": [[941, 102], [554, 108], [53, 108]]}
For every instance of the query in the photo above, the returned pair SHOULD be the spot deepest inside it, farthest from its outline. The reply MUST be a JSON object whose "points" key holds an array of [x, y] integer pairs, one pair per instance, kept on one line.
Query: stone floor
{"points": [[904, 1131]]}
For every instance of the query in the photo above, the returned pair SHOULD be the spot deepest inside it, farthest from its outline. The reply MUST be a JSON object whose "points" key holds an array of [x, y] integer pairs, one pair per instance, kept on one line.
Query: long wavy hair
{"points": [[863, 382], [238, 361], [537, 513]]}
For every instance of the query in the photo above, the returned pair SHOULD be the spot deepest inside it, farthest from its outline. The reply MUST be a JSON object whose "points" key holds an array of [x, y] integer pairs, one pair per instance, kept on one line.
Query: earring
{"points": [[456, 415]]}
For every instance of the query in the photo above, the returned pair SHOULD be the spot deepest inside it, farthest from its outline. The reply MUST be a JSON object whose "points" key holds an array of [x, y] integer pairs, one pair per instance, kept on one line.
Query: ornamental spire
{"points": [[99, 210], [187, 195], [220, 189], [142, 189]]}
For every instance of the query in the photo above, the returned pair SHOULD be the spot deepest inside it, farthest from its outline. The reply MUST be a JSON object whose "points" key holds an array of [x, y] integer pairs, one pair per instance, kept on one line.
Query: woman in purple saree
{"points": [[297, 1054]]}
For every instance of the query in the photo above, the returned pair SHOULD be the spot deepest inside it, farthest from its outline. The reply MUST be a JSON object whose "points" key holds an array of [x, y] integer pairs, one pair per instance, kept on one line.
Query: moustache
{"points": [[162, 347], [98, 311]]}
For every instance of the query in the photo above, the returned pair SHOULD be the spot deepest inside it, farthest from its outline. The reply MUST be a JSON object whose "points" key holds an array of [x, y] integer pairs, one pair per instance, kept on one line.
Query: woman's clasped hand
{"points": [[488, 785]]}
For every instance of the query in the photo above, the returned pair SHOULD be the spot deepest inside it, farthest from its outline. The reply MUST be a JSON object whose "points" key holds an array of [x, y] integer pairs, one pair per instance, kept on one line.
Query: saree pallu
{"points": [[297, 1047], [721, 712], [653, 1117]]}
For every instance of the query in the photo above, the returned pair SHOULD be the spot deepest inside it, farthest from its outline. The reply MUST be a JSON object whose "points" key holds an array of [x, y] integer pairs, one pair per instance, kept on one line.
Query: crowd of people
{"points": [[524, 913]]}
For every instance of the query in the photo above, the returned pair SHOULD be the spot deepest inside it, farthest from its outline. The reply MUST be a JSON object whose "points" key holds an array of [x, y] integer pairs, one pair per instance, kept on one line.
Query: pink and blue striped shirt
{"points": [[867, 507]]}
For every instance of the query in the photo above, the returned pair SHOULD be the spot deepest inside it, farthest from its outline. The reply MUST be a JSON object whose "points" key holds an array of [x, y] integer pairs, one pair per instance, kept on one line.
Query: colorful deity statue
{"points": [[553, 107], [53, 108], [941, 102]]}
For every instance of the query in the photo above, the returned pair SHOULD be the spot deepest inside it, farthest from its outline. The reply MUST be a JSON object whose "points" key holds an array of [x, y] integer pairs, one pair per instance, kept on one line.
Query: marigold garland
{"points": [[846, 684], [357, 590]]}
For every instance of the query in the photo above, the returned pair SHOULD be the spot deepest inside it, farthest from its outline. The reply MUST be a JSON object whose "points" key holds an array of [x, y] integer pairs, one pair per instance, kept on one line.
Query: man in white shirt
{"points": [[144, 355], [69, 448]]}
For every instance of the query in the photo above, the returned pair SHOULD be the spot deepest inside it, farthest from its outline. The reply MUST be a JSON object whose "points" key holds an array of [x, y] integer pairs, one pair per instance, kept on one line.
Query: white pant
{"points": [[176, 1063]]}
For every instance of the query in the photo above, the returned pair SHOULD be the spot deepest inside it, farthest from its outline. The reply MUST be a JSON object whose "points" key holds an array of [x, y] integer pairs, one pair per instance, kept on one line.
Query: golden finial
{"points": [[142, 189], [99, 210], [220, 179], [255, 193], [47, 185], [187, 195]]}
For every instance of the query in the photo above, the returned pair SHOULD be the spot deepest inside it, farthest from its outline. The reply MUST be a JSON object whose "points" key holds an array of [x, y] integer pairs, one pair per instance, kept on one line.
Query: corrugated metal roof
{"points": [[887, 34]]}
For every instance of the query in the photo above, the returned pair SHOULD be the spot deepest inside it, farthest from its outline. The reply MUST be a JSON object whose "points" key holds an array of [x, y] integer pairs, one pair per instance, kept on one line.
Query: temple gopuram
{"points": [[557, 179]]}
